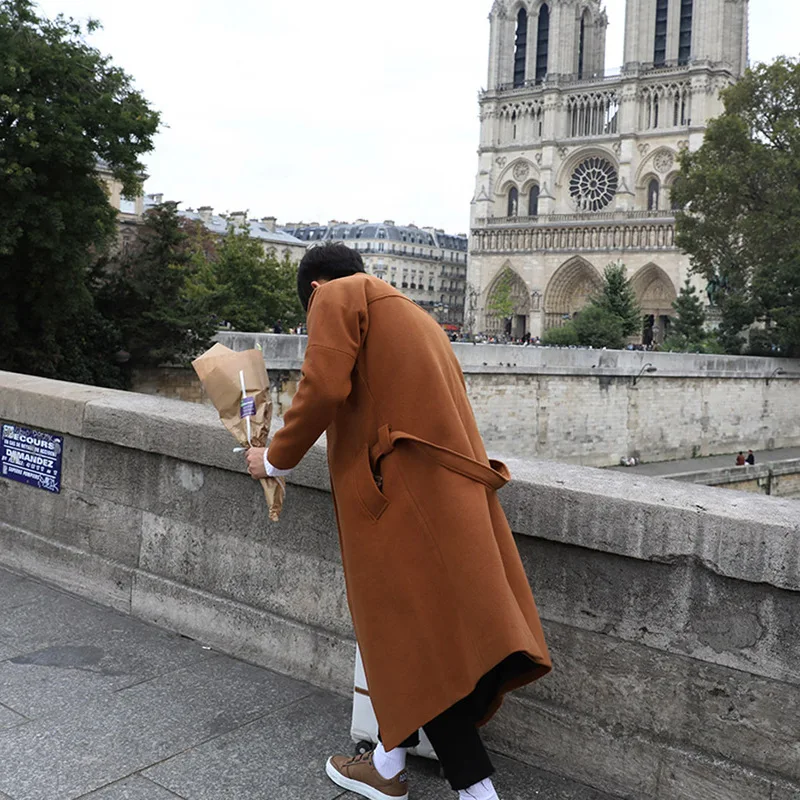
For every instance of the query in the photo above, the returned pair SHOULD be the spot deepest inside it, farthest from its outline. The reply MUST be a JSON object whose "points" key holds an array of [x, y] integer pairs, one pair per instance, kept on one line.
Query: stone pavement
{"points": [[95, 704], [662, 468]]}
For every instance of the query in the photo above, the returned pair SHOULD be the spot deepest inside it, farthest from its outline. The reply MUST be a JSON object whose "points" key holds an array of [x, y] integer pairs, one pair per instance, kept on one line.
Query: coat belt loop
{"points": [[384, 445]]}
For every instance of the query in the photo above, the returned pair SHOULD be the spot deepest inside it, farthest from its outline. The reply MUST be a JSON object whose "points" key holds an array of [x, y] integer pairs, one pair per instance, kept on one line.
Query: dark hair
{"points": [[326, 261]]}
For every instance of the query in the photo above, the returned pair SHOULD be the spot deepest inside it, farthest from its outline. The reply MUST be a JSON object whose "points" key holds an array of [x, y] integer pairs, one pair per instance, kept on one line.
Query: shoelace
{"points": [[359, 758]]}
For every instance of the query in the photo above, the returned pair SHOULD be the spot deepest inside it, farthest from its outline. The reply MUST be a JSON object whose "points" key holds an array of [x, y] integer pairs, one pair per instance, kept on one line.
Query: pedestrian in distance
{"points": [[751, 458], [441, 605], [740, 460]]}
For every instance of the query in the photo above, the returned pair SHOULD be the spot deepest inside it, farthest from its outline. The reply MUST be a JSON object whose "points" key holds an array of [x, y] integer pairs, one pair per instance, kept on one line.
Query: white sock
{"points": [[389, 764], [479, 791]]}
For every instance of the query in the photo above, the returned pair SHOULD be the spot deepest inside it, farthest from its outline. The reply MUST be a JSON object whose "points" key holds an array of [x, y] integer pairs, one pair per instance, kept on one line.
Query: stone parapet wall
{"points": [[582, 406], [672, 610]]}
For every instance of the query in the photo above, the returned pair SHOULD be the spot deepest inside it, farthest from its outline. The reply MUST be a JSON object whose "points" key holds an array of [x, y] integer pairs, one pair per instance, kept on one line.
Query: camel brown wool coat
{"points": [[435, 584]]}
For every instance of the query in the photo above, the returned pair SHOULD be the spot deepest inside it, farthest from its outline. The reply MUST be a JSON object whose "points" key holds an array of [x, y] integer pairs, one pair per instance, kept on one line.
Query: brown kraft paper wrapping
{"points": [[221, 370]]}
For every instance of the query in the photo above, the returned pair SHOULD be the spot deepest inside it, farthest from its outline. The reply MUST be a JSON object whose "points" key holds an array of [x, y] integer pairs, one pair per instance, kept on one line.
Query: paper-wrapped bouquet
{"points": [[238, 386]]}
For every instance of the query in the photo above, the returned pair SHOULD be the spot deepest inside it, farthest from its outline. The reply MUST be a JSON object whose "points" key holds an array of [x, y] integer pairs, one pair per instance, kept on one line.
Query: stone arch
{"points": [[654, 290], [581, 154], [514, 323], [517, 167], [569, 290], [660, 162]]}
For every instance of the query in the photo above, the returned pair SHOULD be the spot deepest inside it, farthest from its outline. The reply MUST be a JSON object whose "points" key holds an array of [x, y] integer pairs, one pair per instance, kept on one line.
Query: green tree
{"points": [[618, 299], [687, 332], [144, 293], [501, 302], [741, 221], [63, 106], [598, 327], [245, 287]]}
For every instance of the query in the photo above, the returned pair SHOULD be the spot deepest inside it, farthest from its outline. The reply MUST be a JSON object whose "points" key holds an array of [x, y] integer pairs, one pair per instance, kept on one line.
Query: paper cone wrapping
{"points": [[221, 370]]}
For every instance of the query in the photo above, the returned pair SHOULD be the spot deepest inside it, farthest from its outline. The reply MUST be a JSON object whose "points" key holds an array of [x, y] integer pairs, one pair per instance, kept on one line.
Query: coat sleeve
{"points": [[337, 322]]}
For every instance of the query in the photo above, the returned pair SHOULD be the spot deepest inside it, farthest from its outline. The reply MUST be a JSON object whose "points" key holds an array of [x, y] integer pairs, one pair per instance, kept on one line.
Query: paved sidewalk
{"points": [[95, 704], [661, 468]]}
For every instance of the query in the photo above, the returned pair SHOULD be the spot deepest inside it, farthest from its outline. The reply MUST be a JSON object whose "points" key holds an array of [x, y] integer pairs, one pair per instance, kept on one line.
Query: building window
{"points": [[653, 190], [660, 49], [685, 41], [127, 205], [593, 184], [513, 202], [542, 43], [521, 49], [582, 46], [533, 202]]}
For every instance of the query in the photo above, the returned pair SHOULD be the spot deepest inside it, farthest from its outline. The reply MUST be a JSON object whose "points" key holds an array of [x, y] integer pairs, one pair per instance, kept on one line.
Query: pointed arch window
{"points": [[660, 48], [542, 43], [513, 202], [533, 201], [521, 48], [653, 192], [685, 40], [582, 46]]}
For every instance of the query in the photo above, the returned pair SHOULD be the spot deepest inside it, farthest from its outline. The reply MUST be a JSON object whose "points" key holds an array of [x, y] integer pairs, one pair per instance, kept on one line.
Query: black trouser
{"points": [[454, 733]]}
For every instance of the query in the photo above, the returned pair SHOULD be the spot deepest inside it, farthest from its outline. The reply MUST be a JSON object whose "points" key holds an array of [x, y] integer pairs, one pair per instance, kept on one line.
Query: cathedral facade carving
{"points": [[576, 164]]}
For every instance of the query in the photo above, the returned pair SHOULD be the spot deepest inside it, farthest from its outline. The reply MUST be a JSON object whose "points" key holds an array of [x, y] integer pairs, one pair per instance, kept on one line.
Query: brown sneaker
{"points": [[360, 776]]}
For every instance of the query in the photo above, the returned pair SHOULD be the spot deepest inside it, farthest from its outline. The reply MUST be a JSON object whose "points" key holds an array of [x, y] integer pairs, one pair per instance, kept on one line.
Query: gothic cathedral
{"points": [[576, 163]]}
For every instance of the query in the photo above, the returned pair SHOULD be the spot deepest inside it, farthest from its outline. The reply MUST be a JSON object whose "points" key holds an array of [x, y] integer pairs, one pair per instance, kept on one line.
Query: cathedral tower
{"points": [[576, 165]]}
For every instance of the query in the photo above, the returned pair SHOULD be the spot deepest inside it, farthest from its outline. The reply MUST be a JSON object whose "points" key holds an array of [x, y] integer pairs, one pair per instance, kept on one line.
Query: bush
{"points": [[596, 327], [565, 336]]}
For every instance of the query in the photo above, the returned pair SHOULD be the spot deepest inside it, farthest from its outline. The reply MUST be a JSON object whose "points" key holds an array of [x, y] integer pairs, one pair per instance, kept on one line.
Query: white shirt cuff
{"points": [[274, 472]]}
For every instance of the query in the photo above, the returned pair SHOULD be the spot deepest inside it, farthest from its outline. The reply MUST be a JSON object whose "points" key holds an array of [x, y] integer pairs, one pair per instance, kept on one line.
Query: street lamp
{"points": [[776, 373], [647, 368]]}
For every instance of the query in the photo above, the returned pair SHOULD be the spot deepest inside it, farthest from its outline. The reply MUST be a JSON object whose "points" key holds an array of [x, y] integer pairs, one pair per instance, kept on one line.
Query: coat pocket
{"points": [[369, 495]]}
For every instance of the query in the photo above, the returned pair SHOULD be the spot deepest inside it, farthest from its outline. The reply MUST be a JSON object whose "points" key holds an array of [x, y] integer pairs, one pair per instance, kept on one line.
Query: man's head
{"points": [[326, 262]]}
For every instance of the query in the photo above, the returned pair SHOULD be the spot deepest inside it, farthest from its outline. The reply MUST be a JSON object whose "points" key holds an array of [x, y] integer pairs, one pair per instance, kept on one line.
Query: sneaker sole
{"points": [[359, 787]]}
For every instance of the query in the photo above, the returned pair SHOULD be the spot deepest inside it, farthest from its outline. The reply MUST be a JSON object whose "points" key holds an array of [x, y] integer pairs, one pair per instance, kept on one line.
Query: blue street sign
{"points": [[31, 457]]}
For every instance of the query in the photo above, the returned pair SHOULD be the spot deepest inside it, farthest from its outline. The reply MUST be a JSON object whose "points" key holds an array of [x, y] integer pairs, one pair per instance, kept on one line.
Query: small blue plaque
{"points": [[31, 457]]}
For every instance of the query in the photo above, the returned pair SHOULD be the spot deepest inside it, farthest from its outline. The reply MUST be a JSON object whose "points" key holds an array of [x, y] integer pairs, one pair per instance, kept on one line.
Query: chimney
{"points": [[238, 218], [205, 213], [270, 223], [155, 199]]}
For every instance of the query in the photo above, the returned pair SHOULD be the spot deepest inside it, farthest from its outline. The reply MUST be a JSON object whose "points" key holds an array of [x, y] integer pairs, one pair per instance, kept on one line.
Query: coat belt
{"points": [[494, 475]]}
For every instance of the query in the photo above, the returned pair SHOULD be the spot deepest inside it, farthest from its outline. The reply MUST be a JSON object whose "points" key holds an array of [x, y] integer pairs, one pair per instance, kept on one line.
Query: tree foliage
{"points": [[245, 287], [501, 302], [687, 332], [741, 221], [618, 299], [63, 106], [144, 294]]}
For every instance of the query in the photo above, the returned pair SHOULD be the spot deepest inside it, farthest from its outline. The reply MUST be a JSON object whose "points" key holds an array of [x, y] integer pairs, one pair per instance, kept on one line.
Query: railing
{"points": [[597, 216], [603, 235], [632, 70]]}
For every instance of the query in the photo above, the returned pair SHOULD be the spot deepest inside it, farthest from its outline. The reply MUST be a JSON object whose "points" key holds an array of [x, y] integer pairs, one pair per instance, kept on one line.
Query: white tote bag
{"points": [[364, 727]]}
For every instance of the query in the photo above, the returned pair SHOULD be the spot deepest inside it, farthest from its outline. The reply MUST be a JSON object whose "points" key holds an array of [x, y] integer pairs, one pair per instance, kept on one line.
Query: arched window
{"points": [[673, 201], [685, 41], [653, 190], [533, 202], [660, 48], [542, 43], [521, 49], [513, 202]]}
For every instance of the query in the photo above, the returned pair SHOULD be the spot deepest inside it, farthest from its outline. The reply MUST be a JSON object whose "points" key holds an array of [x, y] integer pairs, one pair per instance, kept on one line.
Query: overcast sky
{"points": [[323, 110]]}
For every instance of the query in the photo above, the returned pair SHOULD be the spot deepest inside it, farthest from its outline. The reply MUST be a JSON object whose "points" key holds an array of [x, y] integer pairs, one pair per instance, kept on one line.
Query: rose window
{"points": [[593, 184]]}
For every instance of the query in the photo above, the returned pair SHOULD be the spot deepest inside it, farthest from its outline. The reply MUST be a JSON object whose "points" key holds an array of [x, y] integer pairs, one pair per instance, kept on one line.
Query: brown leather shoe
{"points": [[360, 776]]}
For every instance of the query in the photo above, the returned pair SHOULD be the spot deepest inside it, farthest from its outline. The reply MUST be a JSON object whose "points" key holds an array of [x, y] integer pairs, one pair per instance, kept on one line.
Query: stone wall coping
{"points": [[747, 472], [283, 351], [735, 534]]}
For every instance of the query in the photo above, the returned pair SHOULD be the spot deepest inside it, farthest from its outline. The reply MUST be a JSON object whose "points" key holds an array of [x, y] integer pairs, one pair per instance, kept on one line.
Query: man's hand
{"points": [[255, 462]]}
